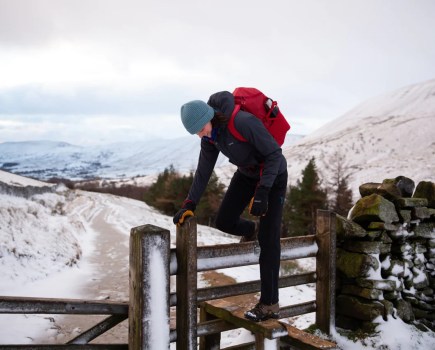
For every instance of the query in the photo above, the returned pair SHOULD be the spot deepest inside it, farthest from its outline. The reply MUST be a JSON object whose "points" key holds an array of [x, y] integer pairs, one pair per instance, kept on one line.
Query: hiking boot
{"points": [[262, 312], [253, 236]]}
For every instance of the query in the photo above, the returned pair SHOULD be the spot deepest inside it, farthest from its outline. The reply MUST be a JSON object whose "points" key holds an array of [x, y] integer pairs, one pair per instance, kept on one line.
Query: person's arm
{"points": [[206, 162]]}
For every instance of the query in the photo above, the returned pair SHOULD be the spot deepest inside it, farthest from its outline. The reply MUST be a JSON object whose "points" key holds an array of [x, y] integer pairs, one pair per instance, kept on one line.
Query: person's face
{"points": [[205, 131]]}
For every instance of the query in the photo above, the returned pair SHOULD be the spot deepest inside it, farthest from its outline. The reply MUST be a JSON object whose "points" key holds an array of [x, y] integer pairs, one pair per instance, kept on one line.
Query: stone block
{"points": [[366, 293], [346, 322], [425, 230], [369, 188], [382, 226], [426, 189], [423, 305], [405, 185], [369, 327], [394, 295], [366, 247], [355, 264], [404, 310], [373, 208], [425, 314], [420, 213], [373, 235], [410, 202], [348, 229], [405, 216], [385, 285], [359, 308]]}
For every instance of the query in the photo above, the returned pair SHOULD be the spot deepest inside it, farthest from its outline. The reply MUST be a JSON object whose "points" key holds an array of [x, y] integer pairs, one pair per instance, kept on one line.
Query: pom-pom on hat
{"points": [[195, 114]]}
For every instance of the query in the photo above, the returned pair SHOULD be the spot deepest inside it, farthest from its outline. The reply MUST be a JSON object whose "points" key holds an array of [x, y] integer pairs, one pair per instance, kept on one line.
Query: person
{"points": [[261, 175]]}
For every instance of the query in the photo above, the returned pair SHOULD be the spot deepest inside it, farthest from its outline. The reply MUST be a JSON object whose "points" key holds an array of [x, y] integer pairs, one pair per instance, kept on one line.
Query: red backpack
{"points": [[264, 108]]}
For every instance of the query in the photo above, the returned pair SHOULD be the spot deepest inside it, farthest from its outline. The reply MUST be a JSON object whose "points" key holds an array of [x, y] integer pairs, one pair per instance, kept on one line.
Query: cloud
{"points": [[146, 58]]}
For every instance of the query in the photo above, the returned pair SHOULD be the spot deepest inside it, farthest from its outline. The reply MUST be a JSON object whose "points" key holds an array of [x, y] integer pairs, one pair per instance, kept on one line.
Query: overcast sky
{"points": [[99, 71]]}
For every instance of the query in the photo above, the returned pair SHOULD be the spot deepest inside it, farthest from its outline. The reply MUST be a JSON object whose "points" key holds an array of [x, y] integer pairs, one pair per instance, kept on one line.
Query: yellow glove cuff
{"points": [[186, 214]]}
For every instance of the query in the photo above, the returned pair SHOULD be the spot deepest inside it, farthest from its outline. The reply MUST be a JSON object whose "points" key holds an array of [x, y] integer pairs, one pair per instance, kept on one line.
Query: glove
{"points": [[258, 205], [186, 210]]}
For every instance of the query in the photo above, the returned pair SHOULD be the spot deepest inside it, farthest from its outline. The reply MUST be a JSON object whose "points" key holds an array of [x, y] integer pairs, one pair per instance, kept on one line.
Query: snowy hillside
{"points": [[384, 137], [46, 159]]}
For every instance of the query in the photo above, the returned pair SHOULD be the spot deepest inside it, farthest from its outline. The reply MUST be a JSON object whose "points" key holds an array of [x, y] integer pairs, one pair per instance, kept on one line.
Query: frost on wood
{"points": [[158, 302], [149, 287]]}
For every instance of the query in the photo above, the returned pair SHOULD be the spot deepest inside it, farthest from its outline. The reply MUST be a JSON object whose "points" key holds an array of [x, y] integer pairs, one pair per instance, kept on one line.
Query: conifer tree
{"points": [[339, 191], [343, 199], [302, 203], [171, 189]]}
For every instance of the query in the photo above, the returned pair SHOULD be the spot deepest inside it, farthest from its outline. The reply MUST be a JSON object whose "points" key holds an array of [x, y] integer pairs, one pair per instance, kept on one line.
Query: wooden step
{"points": [[270, 329]]}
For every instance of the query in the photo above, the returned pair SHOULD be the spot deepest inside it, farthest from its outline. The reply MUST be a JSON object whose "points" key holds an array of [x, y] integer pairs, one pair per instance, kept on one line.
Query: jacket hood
{"points": [[222, 102]]}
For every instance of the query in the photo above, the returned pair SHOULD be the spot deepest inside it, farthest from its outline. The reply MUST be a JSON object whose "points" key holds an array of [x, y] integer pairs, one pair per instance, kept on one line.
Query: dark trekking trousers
{"points": [[236, 199]]}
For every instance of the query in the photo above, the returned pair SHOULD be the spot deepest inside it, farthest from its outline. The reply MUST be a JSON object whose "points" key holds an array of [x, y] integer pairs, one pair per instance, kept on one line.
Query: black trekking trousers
{"points": [[236, 199]]}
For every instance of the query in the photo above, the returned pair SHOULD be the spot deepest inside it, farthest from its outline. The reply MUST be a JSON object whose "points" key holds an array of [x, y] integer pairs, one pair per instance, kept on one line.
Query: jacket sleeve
{"points": [[270, 153], [206, 162]]}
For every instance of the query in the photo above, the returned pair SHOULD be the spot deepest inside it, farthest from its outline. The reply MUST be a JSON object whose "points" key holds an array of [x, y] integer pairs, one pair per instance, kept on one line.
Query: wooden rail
{"points": [[118, 312], [152, 262], [186, 260]]}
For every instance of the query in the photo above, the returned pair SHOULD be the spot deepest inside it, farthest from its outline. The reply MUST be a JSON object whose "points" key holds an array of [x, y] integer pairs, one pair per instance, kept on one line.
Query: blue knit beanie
{"points": [[195, 114]]}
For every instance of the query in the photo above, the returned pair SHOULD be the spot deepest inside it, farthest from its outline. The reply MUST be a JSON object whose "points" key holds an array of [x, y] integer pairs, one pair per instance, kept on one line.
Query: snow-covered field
{"points": [[48, 242]]}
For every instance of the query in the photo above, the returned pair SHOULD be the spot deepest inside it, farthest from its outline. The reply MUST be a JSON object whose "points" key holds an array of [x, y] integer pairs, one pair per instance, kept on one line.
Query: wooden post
{"points": [[325, 270], [149, 288], [187, 285]]}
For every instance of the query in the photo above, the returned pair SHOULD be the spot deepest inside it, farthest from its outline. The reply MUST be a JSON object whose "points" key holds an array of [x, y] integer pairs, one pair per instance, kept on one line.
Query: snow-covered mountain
{"points": [[46, 159], [384, 137]]}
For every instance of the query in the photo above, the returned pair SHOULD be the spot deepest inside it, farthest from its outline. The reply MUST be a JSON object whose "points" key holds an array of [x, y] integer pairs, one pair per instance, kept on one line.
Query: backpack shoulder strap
{"points": [[231, 126]]}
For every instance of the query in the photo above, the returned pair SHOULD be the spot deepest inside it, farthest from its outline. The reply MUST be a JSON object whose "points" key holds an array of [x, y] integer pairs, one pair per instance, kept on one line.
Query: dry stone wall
{"points": [[386, 256]]}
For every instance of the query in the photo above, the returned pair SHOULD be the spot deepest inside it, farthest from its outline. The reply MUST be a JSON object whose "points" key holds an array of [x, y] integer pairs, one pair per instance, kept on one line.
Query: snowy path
{"points": [[108, 280]]}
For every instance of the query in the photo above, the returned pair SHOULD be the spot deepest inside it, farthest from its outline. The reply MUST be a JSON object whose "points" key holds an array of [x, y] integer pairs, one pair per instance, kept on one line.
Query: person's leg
{"points": [[269, 239], [237, 197]]}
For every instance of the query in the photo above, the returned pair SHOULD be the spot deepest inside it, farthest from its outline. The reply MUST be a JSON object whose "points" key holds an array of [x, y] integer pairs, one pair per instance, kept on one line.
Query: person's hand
{"points": [[186, 210], [258, 205]]}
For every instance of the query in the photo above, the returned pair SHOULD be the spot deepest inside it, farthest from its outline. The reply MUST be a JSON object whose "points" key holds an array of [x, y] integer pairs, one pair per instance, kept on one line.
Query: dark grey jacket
{"points": [[261, 148]]}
